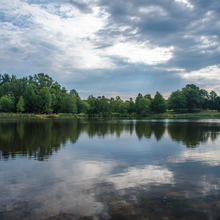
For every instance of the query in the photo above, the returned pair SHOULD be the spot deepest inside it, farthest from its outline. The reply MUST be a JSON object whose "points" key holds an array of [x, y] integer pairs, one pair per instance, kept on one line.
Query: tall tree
{"points": [[192, 96], [177, 101], [158, 104], [20, 105], [68, 104], [44, 101]]}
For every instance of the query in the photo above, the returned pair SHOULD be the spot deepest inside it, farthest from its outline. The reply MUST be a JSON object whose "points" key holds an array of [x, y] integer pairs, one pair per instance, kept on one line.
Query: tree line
{"points": [[41, 94]]}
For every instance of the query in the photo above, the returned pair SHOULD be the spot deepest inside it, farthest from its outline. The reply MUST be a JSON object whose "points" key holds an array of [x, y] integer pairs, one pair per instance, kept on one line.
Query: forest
{"points": [[42, 95]]}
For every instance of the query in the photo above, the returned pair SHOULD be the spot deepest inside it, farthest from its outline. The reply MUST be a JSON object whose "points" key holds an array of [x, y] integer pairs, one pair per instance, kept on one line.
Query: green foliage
{"points": [[68, 104], [192, 96], [20, 105], [158, 104], [142, 105], [177, 101], [44, 100], [40, 94], [7, 103]]}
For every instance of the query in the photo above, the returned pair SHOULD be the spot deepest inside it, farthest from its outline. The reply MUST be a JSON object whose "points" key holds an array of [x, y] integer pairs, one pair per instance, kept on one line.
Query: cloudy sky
{"points": [[113, 47]]}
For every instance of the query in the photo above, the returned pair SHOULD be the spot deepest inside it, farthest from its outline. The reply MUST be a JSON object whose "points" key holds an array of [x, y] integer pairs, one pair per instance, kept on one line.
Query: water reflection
{"points": [[39, 139], [109, 170]]}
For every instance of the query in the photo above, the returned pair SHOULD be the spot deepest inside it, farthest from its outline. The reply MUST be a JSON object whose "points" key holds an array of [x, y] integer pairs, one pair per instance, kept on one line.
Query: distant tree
{"points": [[20, 105], [42, 80], [44, 100], [212, 99], [177, 101], [69, 104], [30, 98], [158, 104], [74, 92], [142, 104], [131, 107], [92, 105], [217, 103], [204, 99], [192, 96], [7, 103], [83, 106], [148, 96]]}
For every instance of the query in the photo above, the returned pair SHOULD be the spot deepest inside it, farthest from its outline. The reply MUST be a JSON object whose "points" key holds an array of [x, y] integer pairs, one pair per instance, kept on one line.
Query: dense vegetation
{"points": [[40, 94]]}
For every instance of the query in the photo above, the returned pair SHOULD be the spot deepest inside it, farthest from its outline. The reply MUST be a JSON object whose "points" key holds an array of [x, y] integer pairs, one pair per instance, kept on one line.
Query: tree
{"points": [[69, 104], [30, 98], [142, 105], [74, 92], [44, 100], [20, 104], [158, 104], [212, 100], [43, 80], [192, 96], [7, 103], [177, 101], [204, 98], [217, 103]]}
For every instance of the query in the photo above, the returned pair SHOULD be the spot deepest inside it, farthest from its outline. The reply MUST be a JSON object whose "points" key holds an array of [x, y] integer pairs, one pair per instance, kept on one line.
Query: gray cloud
{"points": [[97, 47], [170, 23]]}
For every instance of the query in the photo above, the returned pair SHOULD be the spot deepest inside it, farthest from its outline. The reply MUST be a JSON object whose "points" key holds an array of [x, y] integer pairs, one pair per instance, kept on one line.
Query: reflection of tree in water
{"points": [[39, 139], [192, 134], [36, 139], [102, 129], [146, 129]]}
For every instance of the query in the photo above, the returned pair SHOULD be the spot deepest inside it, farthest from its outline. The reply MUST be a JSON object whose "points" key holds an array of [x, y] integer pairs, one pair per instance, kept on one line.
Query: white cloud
{"points": [[210, 73], [208, 77], [206, 154], [68, 38], [153, 9], [135, 177], [134, 52], [56, 38], [187, 3]]}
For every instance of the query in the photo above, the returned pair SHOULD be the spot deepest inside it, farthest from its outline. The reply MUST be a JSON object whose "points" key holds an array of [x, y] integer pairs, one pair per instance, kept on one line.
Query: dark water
{"points": [[109, 170]]}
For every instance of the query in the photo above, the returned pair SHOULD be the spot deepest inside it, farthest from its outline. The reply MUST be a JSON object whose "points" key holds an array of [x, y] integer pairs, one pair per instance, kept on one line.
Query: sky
{"points": [[113, 47]]}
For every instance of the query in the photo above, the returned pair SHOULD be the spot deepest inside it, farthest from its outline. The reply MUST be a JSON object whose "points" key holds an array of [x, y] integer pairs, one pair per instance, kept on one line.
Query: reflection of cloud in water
{"points": [[75, 190], [206, 154], [65, 186], [135, 177], [207, 185]]}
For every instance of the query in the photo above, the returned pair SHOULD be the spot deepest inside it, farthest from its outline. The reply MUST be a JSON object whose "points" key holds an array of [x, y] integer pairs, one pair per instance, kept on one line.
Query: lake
{"points": [[119, 169]]}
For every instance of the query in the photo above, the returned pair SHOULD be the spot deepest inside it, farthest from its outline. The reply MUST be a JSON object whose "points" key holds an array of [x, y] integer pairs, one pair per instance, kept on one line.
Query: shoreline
{"points": [[167, 115]]}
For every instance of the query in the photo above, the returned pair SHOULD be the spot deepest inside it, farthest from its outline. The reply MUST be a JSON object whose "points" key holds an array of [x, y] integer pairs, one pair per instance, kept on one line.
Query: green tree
{"points": [[212, 100], [74, 92], [217, 103], [20, 104], [204, 98], [30, 98], [42, 80], [69, 104], [142, 105], [158, 103], [192, 96], [44, 100], [7, 103], [177, 101]]}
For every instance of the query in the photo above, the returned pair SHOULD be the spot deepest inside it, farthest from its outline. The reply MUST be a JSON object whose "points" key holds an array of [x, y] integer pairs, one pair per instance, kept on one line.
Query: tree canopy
{"points": [[41, 94]]}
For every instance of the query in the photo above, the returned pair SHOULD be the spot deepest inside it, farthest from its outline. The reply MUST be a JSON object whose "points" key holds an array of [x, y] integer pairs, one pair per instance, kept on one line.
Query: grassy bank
{"points": [[35, 116], [197, 115], [167, 115]]}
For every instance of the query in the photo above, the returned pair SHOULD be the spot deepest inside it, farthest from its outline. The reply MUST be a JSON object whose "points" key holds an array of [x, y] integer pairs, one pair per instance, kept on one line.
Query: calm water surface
{"points": [[125, 169]]}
